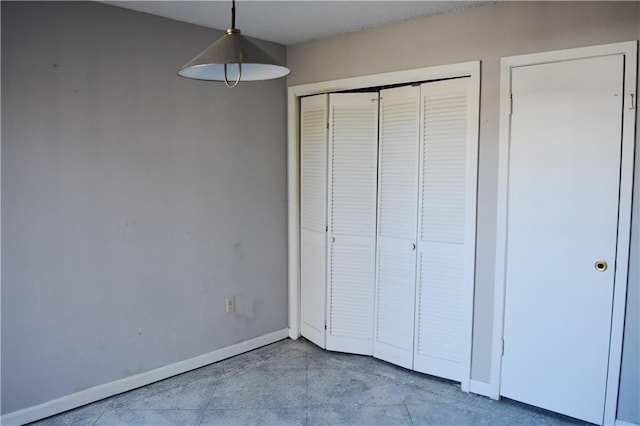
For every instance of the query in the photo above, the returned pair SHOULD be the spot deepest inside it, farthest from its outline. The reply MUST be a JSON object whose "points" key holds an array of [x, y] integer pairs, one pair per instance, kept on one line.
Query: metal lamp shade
{"points": [[230, 50]]}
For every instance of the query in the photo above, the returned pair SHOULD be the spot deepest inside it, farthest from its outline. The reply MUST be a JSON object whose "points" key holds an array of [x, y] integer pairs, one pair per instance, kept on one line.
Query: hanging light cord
{"points": [[233, 27], [233, 15]]}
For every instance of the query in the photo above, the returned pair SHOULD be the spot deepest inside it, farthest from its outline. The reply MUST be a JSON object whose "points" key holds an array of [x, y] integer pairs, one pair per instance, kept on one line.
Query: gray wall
{"points": [[488, 33], [133, 201]]}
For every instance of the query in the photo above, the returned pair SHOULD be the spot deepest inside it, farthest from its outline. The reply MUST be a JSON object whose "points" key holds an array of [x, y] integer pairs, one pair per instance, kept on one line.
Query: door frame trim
{"points": [[294, 93], [629, 50]]}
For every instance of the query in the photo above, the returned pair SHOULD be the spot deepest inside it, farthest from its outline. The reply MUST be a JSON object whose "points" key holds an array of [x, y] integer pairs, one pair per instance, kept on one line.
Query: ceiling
{"points": [[291, 22]]}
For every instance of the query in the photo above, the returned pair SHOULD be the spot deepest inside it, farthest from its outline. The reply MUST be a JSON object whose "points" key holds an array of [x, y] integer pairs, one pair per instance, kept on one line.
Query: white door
{"points": [[564, 181], [397, 222], [313, 216], [353, 148], [446, 230]]}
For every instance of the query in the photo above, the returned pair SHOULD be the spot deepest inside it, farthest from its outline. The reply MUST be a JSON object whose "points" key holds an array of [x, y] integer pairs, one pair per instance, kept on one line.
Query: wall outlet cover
{"points": [[231, 304]]}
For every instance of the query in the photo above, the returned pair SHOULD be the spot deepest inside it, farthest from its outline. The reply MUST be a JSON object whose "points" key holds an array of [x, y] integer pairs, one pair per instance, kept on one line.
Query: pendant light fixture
{"points": [[232, 59]]}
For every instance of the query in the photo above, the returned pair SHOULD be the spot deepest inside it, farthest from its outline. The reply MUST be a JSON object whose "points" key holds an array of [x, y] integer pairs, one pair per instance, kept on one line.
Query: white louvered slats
{"points": [[313, 248], [351, 291], [444, 165], [313, 163], [353, 145], [441, 302], [395, 290], [397, 221], [441, 315], [313, 216], [354, 138]]}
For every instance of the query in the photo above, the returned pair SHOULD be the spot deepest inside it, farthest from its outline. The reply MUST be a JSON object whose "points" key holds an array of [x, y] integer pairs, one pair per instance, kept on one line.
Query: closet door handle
{"points": [[413, 246], [333, 239]]}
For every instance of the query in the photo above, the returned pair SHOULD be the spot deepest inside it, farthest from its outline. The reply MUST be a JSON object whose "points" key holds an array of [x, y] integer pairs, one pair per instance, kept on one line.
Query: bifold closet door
{"points": [[353, 147], [397, 225], [446, 230], [313, 216]]}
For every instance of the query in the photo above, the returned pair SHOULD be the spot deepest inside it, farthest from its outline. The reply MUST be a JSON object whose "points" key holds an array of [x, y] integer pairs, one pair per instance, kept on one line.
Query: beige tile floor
{"points": [[297, 383]]}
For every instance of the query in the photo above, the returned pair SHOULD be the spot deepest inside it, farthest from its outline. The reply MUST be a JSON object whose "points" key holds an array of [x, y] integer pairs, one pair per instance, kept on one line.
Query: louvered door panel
{"points": [[353, 145], [313, 248], [397, 223], [313, 216], [351, 293], [353, 192], [440, 305], [313, 163], [441, 317]]}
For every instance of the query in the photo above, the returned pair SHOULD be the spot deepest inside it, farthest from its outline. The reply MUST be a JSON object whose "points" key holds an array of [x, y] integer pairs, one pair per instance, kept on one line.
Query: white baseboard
{"points": [[106, 390], [480, 388], [624, 423]]}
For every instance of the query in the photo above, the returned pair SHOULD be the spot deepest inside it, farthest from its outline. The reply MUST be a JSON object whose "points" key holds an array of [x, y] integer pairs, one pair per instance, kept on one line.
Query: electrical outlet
{"points": [[231, 304]]}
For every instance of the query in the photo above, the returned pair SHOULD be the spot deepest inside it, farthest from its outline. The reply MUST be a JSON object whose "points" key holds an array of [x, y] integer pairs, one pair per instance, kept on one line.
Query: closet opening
{"points": [[382, 208]]}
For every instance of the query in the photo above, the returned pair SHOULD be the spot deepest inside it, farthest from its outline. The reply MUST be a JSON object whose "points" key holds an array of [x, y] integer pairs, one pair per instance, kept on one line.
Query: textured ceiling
{"points": [[291, 22]]}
